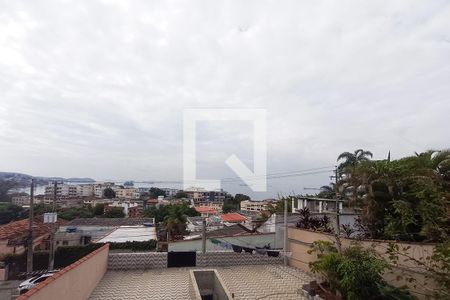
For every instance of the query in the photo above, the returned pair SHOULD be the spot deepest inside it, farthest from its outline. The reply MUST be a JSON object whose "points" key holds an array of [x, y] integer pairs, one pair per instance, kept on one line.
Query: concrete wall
{"points": [[226, 259], [158, 260], [243, 240], [133, 261], [301, 240], [74, 282]]}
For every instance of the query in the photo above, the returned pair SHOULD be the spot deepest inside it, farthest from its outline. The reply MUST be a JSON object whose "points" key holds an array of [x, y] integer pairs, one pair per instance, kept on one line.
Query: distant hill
{"points": [[25, 179]]}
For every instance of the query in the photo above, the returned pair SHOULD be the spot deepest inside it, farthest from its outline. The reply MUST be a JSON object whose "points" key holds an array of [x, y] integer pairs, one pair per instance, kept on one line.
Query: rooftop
{"points": [[204, 209], [110, 222], [130, 234], [16, 231], [233, 217], [245, 282]]}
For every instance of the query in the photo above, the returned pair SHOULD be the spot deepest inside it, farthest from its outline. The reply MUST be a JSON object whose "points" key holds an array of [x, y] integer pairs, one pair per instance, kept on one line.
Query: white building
{"points": [[85, 190], [126, 205], [249, 205], [62, 190], [21, 200], [127, 193]]}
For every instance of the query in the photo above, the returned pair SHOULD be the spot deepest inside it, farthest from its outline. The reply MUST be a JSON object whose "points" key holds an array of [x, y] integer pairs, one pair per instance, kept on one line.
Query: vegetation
{"points": [[114, 212], [174, 216], [109, 193], [404, 199], [181, 194], [5, 187], [355, 274], [307, 221], [10, 212], [436, 268], [134, 246], [155, 192], [99, 209], [279, 206], [234, 203]]}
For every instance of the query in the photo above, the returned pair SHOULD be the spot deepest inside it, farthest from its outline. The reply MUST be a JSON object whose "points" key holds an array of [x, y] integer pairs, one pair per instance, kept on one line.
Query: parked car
{"points": [[33, 281]]}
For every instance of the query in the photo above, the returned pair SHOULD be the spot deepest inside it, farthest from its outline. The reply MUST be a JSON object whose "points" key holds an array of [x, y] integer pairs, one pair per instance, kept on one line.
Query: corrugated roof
{"points": [[130, 234], [109, 222]]}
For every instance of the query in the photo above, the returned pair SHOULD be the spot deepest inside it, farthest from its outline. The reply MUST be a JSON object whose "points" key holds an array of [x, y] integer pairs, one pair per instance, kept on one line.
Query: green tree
{"points": [[155, 192], [115, 212], [181, 194], [5, 187], [10, 212], [74, 212], [99, 209], [109, 193], [241, 197], [351, 160]]}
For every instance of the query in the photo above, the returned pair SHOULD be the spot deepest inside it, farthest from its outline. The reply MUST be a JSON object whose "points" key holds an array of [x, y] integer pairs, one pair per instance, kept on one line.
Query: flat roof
{"points": [[129, 234], [245, 282]]}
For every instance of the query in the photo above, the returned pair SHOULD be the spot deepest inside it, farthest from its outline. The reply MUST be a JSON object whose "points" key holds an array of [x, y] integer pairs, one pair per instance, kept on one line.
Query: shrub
{"points": [[356, 273]]}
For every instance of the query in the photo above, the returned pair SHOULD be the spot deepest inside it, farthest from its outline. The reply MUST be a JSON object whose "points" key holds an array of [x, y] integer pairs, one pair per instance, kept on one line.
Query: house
{"points": [[206, 211], [125, 205], [13, 235], [233, 218], [275, 224]]}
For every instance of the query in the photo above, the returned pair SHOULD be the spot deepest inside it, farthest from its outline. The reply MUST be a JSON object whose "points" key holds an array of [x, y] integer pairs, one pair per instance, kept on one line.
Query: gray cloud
{"points": [[97, 88]]}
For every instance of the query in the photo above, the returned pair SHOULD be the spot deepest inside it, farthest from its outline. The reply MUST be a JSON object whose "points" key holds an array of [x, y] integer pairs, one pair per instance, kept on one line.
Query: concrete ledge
{"points": [[76, 281]]}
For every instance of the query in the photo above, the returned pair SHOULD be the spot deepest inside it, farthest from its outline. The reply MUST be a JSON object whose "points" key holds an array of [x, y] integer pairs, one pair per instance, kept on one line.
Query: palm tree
{"points": [[351, 160]]}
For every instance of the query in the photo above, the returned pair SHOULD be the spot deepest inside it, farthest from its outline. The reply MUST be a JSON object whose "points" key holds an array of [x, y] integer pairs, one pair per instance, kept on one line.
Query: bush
{"points": [[356, 273], [134, 246]]}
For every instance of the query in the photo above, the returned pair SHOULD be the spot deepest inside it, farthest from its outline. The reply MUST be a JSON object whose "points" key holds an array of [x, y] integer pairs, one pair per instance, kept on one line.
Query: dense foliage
{"points": [[114, 212], [404, 199], [109, 193], [10, 212], [355, 274], [154, 192], [234, 203], [134, 246], [5, 187], [306, 221], [174, 216]]}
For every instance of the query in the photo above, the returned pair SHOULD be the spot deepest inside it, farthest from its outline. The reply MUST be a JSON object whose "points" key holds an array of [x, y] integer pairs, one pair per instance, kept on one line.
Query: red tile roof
{"points": [[233, 218], [15, 232], [205, 209]]}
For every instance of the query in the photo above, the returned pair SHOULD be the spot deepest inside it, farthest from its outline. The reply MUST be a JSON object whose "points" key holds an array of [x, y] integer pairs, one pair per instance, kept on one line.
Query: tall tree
{"points": [[351, 160], [109, 193]]}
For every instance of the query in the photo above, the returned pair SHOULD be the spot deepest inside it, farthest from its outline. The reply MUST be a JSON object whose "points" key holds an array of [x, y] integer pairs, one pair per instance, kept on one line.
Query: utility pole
{"points": [[338, 221], [51, 259], [204, 236], [30, 232], [285, 232]]}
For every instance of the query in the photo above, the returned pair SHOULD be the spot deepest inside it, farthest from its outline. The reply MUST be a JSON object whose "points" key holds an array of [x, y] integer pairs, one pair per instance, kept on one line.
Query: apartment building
{"points": [[250, 205], [62, 190], [127, 193], [21, 199], [100, 188], [85, 190]]}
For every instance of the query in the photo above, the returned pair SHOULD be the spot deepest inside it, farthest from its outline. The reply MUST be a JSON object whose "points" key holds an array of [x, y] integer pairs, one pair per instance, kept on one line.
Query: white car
{"points": [[33, 281]]}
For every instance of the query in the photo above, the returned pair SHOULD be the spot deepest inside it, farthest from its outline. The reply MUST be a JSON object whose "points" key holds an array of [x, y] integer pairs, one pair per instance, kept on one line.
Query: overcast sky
{"points": [[97, 88]]}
